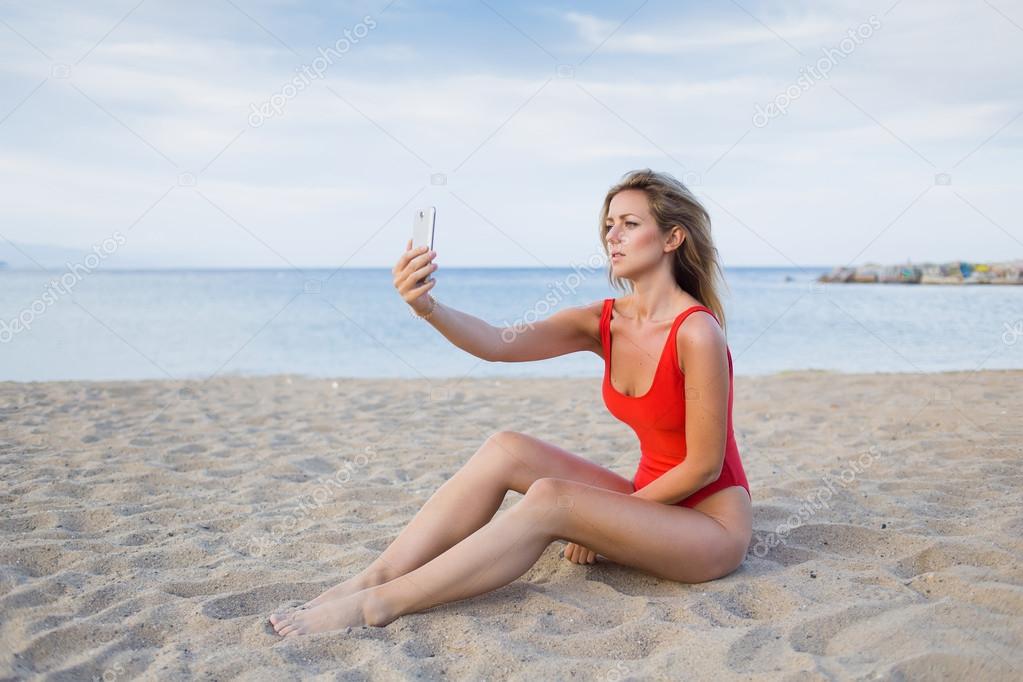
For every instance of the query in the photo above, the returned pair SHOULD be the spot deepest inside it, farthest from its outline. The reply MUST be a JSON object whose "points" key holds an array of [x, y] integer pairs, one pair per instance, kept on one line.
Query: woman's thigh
{"points": [[523, 459], [677, 543]]}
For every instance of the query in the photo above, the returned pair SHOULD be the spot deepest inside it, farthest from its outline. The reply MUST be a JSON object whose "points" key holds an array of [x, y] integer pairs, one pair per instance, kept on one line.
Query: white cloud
{"points": [[683, 35], [320, 179]]}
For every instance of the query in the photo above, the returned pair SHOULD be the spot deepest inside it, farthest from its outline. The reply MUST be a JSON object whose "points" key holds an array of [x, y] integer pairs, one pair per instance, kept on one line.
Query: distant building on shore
{"points": [[955, 272]]}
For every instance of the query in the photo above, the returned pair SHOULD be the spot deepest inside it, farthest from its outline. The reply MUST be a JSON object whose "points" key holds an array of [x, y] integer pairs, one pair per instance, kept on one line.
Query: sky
{"points": [[260, 133]]}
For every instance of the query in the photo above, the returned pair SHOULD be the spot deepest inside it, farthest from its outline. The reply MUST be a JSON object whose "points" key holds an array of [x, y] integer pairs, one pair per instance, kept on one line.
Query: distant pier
{"points": [[955, 272]]}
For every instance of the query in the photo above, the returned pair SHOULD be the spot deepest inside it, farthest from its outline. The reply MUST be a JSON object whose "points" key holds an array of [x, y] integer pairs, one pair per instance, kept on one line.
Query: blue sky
{"points": [[136, 117]]}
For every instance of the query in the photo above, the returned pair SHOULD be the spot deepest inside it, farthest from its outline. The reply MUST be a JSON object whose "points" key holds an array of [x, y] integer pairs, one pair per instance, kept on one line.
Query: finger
{"points": [[414, 280], [419, 291], [422, 272], [408, 255], [591, 558], [568, 551], [422, 258], [413, 275], [413, 260]]}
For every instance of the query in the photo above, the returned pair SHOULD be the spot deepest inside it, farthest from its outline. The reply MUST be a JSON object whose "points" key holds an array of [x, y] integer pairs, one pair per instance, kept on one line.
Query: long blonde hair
{"points": [[695, 267]]}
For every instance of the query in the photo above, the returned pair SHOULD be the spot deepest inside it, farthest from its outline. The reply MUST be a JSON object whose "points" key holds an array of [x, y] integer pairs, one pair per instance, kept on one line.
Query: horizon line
{"points": [[231, 268]]}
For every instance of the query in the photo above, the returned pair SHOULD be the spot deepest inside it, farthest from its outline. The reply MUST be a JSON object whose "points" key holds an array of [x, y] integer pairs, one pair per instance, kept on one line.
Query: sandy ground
{"points": [[149, 527]]}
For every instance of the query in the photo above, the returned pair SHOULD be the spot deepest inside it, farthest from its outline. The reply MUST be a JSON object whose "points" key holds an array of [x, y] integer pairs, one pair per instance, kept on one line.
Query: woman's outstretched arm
{"points": [[566, 331]]}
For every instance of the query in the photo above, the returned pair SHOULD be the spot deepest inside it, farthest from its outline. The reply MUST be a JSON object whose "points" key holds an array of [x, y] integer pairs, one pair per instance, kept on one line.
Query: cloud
{"points": [[684, 35], [671, 89]]}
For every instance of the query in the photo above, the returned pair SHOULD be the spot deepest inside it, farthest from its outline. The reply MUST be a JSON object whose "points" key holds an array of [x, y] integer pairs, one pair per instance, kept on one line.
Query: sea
{"points": [[197, 324]]}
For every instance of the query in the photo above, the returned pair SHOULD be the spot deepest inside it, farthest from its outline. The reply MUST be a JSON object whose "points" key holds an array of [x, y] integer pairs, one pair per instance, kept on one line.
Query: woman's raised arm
{"points": [[566, 331]]}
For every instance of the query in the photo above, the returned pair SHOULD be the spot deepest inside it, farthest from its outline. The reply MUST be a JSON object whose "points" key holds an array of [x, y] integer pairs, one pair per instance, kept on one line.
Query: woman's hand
{"points": [[414, 265], [578, 554]]}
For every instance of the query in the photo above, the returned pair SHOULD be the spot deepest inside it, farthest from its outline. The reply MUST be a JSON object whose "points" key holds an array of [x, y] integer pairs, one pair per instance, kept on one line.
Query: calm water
{"points": [[191, 324]]}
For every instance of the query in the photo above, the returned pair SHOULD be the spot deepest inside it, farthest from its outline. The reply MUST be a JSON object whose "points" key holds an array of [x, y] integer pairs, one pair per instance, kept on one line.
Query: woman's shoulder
{"points": [[594, 310], [586, 320], [700, 340]]}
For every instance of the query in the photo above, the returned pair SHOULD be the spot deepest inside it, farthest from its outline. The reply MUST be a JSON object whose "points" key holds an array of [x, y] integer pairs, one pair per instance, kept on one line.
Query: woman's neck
{"points": [[656, 299]]}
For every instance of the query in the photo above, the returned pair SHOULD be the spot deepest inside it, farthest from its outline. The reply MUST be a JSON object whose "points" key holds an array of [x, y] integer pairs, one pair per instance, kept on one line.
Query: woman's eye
{"points": [[631, 223]]}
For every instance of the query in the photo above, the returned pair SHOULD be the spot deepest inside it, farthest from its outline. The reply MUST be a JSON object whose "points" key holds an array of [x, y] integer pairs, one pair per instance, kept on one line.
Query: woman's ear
{"points": [[676, 237]]}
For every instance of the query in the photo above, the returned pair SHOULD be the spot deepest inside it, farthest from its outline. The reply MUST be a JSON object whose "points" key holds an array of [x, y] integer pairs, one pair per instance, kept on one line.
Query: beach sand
{"points": [[149, 527]]}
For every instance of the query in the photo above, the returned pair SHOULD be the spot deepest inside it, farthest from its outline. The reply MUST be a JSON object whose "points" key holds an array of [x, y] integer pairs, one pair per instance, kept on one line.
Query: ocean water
{"points": [[194, 324]]}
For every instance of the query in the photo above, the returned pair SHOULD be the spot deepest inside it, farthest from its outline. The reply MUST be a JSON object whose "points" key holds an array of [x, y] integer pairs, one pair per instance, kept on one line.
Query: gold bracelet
{"points": [[432, 308]]}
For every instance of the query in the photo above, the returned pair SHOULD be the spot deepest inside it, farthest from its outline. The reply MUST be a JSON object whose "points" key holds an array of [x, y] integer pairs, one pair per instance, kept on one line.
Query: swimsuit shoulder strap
{"points": [[692, 309], [678, 323], [605, 321]]}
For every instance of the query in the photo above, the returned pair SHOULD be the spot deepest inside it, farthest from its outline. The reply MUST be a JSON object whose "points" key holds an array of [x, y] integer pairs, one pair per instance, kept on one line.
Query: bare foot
{"points": [[339, 591], [336, 614]]}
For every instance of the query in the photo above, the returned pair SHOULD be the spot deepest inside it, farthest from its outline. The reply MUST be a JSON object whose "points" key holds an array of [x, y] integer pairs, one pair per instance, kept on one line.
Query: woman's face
{"points": [[633, 238]]}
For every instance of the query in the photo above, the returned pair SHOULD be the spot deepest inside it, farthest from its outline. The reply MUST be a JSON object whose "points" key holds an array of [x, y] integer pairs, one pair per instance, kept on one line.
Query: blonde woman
{"points": [[686, 514]]}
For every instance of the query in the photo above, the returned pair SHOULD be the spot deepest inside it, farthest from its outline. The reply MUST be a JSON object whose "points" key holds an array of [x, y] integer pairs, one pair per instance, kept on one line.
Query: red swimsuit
{"points": [[659, 416]]}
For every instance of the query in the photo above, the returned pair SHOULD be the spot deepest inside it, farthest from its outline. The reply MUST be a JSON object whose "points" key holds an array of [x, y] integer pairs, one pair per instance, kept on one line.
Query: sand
{"points": [[149, 527]]}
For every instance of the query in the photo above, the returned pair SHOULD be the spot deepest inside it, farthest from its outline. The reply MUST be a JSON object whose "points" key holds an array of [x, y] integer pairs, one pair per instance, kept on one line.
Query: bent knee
{"points": [[504, 455], [500, 441], [550, 490], [505, 447], [503, 438], [733, 557]]}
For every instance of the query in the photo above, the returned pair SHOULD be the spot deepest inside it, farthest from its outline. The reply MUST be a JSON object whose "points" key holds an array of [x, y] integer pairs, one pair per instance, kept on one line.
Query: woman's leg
{"points": [[677, 543], [507, 460]]}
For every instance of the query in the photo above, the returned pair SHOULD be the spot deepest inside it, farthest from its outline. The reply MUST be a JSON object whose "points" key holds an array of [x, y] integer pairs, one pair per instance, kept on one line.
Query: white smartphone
{"points": [[423, 230]]}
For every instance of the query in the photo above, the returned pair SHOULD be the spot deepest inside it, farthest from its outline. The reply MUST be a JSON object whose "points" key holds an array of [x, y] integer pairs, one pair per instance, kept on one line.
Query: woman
{"points": [[687, 513]]}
